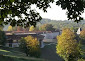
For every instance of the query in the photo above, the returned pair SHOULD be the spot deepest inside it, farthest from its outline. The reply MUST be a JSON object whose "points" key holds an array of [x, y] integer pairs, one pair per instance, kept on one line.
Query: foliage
{"points": [[1, 28], [47, 27], [23, 46], [32, 28], [10, 28], [82, 36], [81, 59], [30, 46], [58, 24], [2, 38], [19, 28], [67, 46], [74, 8], [15, 8]]}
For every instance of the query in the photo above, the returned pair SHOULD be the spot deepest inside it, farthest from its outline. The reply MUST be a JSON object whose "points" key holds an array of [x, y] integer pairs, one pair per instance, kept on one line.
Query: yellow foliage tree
{"points": [[10, 28], [82, 36], [32, 28], [67, 46], [30, 45]]}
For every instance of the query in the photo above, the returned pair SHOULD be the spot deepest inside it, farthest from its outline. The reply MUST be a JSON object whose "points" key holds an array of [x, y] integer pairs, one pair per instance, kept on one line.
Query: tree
{"points": [[15, 8], [30, 46], [1, 28], [74, 8], [47, 27], [82, 36], [19, 28], [2, 38], [23, 46], [67, 46], [32, 28], [10, 28]]}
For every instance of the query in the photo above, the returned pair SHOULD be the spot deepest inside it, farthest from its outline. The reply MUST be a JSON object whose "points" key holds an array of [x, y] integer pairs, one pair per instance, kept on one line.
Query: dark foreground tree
{"points": [[2, 38], [9, 9], [74, 8], [67, 46], [30, 46]]}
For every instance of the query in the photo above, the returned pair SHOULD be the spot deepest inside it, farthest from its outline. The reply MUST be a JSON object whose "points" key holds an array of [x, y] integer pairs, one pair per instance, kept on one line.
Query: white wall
{"points": [[51, 35], [15, 44]]}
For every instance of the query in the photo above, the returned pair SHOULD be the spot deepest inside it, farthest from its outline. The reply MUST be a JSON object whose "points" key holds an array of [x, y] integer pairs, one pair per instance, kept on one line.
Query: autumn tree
{"points": [[19, 28], [30, 46], [10, 28], [82, 36], [32, 28], [67, 46], [47, 27]]}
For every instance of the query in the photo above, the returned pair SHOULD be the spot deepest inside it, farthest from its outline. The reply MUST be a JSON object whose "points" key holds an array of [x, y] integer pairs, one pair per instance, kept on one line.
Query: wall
{"points": [[51, 35]]}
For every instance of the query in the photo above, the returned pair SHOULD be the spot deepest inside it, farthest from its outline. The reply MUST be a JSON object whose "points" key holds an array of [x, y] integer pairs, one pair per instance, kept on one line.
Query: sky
{"points": [[54, 13]]}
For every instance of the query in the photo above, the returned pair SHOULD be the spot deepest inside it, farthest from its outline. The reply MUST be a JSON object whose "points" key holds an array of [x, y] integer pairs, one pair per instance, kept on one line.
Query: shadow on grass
{"points": [[8, 58], [13, 54]]}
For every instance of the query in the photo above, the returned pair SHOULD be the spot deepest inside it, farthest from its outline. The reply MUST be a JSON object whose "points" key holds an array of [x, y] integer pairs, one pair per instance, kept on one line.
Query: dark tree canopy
{"points": [[74, 8], [2, 38], [11, 8], [18, 7]]}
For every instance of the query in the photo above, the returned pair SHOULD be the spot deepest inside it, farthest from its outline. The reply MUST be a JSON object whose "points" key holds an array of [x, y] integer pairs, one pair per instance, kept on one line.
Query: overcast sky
{"points": [[55, 12]]}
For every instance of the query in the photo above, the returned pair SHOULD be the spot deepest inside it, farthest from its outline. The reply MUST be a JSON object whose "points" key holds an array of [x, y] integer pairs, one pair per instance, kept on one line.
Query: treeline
{"points": [[62, 24], [50, 25]]}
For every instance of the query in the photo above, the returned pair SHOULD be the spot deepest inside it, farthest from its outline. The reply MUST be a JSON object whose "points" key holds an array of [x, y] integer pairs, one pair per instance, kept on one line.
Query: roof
{"points": [[29, 32], [79, 30], [26, 32], [19, 36]]}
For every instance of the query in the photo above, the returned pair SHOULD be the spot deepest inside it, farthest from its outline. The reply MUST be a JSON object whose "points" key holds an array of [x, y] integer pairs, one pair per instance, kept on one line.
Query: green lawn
{"points": [[49, 52], [13, 54]]}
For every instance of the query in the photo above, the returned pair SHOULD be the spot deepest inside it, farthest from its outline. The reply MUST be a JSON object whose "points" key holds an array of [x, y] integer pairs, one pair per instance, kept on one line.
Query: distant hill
{"points": [[57, 24]]}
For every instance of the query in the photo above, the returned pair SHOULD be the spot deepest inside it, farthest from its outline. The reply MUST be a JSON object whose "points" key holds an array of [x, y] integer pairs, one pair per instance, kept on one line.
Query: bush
{"points": [[30, 46]]}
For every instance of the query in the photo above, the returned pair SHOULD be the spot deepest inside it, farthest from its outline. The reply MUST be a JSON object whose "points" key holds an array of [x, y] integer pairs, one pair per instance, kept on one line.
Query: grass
{"points": [[13, 54], [49, 53]]}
